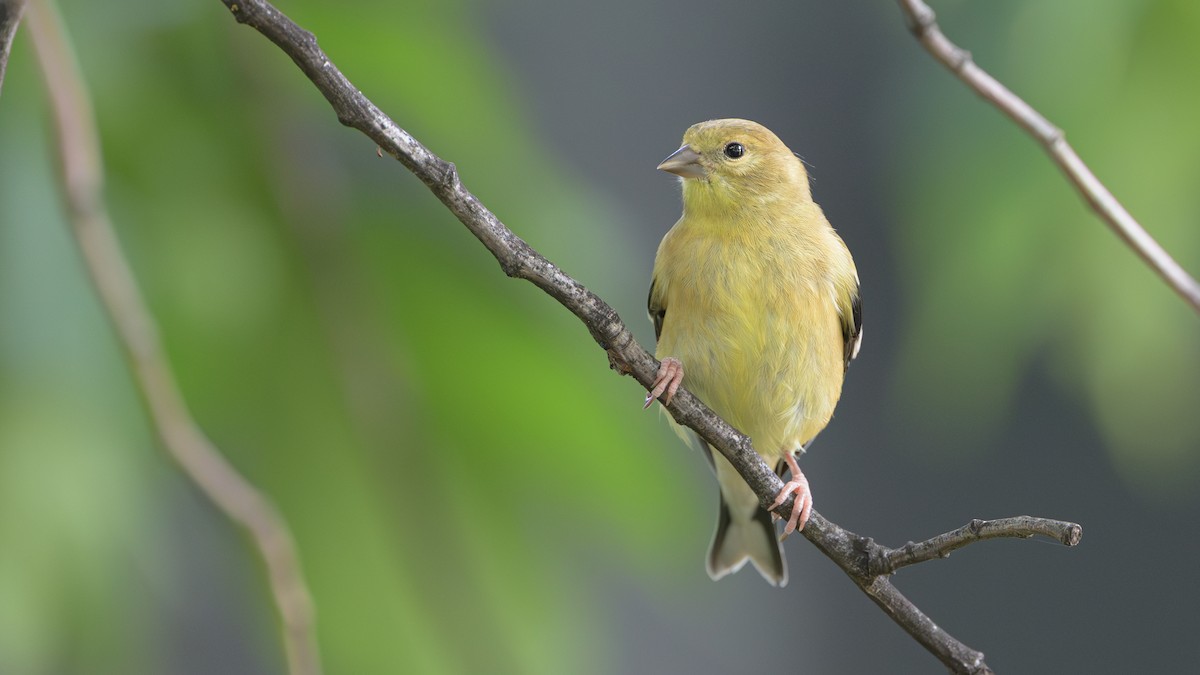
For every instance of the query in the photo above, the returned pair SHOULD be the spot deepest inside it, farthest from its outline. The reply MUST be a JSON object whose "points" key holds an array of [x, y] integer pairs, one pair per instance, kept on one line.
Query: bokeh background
{"points": [[471, 489]]}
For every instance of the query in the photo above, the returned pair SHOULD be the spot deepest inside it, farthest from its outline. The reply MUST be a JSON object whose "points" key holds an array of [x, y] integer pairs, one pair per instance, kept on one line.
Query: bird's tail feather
{"points": [[736, 541]]}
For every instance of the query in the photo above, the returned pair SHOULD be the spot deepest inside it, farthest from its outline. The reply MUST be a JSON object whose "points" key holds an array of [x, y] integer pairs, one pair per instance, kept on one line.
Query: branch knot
{"points": [[919, 20], [449, 181]]}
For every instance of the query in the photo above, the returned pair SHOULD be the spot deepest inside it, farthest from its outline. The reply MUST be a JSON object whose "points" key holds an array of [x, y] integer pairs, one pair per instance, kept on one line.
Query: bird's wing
{"points": [[851, 313], [656, 306]]}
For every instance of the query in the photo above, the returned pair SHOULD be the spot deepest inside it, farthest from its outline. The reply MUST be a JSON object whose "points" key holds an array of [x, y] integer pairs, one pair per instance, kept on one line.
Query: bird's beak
{"points": [[684, 162]]}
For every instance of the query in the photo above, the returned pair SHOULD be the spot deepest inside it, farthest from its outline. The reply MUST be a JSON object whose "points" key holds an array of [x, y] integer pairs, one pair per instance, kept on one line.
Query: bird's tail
{"points": [[738, 540]]}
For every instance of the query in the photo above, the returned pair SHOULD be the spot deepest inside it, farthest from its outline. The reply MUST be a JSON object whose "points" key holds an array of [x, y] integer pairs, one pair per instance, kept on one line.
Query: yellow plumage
{"points": [[757, 297]]}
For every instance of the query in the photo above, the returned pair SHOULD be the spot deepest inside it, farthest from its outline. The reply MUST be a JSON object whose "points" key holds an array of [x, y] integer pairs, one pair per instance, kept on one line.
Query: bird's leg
{"points": [[803, 505], [670, 375]]}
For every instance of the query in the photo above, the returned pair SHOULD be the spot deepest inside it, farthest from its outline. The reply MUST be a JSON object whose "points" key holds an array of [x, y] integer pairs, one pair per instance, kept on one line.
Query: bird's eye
{"points": [[734, 150]]}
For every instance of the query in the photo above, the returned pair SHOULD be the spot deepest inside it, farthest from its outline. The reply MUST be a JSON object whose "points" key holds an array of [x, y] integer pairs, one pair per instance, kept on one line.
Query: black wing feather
{"points": [[657, 312], [852, 330]]}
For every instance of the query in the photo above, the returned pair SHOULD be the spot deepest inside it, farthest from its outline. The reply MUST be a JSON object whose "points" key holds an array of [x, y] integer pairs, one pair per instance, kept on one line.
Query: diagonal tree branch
{"points": [[852, 553], [229, 491], [10, 18], [923, 25]]}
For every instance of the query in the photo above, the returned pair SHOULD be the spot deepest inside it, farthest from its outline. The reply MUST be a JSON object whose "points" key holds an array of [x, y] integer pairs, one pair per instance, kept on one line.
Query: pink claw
{"points": [[803, 505], [668, 379]]}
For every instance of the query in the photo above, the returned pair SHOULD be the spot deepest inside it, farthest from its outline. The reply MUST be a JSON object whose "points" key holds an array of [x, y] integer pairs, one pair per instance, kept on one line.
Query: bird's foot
{"points": [[670, 376], [803, 505]]}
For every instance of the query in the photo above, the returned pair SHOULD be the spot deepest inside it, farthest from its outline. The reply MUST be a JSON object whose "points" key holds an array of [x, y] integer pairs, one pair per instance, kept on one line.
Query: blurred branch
{"points": [[10, 18], [851, 552], [82, 176], [942, 545], [923, 24]]}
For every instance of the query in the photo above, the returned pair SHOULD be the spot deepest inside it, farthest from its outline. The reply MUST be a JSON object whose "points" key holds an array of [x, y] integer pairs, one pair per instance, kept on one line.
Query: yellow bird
{"points": [[757, 296]]}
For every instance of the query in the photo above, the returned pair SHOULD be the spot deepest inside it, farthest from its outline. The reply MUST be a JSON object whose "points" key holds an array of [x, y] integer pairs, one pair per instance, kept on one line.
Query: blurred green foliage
{"points": [[417, 417], [1025, 274]]}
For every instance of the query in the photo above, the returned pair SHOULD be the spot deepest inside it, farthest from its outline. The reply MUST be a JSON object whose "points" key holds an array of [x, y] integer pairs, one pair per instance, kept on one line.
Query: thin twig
{"points": [[942, 545], [10, 18], [852, 553], [82, 174], [923, 25]]}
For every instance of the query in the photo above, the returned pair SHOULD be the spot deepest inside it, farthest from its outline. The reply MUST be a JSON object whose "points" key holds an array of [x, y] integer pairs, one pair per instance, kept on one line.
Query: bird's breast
{"points": [[757, 330]]}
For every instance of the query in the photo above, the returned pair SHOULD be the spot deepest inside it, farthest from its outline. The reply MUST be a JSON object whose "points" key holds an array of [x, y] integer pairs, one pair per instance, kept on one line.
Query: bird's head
{"points": [[733, 163]]}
